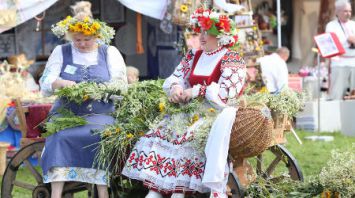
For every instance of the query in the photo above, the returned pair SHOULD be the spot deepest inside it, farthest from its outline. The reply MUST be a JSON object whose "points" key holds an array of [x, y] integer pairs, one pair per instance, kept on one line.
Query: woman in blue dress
{"points": [[68, 154]]}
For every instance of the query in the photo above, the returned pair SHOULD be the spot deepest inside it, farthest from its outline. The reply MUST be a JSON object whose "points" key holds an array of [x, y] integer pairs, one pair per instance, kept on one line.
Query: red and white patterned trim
{"points": [[184, 67], [233, 72]]}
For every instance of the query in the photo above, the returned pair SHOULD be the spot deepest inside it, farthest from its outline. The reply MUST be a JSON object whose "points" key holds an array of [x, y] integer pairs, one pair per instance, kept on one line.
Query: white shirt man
{"points": [[342, 67], [274, 70]]}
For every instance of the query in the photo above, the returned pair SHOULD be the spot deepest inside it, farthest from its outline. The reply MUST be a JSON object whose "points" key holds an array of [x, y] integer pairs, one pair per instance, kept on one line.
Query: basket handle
{"points": [[243, 103]]}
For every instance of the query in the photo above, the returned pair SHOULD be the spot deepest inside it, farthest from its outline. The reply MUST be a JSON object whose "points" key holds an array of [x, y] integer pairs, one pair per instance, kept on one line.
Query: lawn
{"points": [[311, 156]]}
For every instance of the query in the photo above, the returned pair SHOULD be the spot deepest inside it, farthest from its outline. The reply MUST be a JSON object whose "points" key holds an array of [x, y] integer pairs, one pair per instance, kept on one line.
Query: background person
{"points": [[68, 154], [132, 74], [274, 70], [342, 76]]}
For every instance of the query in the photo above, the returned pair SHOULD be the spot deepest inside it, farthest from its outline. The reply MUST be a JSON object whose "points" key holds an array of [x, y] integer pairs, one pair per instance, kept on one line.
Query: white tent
{"points": [[13, 13]]}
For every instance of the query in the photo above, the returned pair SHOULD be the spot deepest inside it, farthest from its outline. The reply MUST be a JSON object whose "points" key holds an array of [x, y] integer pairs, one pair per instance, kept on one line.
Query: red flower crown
{"points": [[214, 24]]}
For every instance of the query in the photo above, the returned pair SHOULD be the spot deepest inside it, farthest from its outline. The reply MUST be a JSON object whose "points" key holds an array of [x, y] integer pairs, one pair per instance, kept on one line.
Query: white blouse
{"points": [[230, 83], [116, 65]]}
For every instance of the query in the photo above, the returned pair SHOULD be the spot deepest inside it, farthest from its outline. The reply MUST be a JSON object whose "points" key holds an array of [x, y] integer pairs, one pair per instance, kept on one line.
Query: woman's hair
{"points": [[81, 9], [132, 70], [340, 4]]}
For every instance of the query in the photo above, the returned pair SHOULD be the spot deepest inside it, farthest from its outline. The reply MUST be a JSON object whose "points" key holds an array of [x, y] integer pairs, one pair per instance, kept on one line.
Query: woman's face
{"points": [[84, 43], [344, 14], [208, 42]]}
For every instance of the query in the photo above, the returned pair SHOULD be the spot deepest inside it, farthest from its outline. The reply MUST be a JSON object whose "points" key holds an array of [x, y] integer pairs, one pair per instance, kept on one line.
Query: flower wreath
{"points": [[87, 26], [214, 24]]}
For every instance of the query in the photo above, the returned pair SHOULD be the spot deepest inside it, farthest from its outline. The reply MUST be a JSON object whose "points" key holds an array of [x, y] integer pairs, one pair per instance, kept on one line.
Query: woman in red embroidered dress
{"points": [[164, 159]]}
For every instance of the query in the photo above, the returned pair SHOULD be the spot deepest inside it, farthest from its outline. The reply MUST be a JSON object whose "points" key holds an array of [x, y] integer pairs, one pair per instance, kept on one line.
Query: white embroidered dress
{"points": [[165, 160]]}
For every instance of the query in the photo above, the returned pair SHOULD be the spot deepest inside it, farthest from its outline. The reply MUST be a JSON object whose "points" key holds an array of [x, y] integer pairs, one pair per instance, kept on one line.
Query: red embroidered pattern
{"points": [[166, 167], [184, 67], [214, 51], [202, 91], [232, 61], [180, 139]]}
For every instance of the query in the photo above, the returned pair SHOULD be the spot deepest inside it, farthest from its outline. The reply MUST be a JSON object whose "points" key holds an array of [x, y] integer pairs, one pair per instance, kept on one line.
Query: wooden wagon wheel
{"points": [[38, 188], [236, 189], [277, 163]]}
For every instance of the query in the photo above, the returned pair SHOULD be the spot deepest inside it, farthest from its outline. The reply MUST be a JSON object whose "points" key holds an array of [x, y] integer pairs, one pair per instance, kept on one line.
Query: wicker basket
{"points": [[251, 132]]}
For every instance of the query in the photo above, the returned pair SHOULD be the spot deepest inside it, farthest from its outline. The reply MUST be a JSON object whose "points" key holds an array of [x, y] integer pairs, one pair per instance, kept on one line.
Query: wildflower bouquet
{"points": [[87, 26], [138, 108], [142, 107], [286, 102], [91, 90], [336, 178]]}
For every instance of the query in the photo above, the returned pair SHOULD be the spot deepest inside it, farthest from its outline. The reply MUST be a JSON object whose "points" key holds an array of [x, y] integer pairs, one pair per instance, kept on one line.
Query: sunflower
{"points": [[184, 8]]}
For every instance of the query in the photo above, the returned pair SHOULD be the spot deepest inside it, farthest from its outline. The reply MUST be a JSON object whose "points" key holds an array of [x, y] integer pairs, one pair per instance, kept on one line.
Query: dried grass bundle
{"points": [[13, 85]]}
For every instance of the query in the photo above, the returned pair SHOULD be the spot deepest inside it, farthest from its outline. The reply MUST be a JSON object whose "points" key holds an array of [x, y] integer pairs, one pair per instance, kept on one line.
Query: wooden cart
{"points": [[31, 148], [274, 164]]}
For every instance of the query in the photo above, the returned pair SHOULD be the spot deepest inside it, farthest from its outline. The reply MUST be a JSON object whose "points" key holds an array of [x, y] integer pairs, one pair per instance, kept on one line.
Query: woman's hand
{"points": [[59, 83], [176, 94], [351, 39], [187, 95]]}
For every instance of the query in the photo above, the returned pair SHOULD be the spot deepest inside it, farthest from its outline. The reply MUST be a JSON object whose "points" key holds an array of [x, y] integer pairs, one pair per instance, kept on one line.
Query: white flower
{"points": [[205, 14], [193, 20], [214, 15]]}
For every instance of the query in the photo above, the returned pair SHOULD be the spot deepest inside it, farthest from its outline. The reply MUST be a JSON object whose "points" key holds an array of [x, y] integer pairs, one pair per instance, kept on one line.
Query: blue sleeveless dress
{"points": [[69, 154]]}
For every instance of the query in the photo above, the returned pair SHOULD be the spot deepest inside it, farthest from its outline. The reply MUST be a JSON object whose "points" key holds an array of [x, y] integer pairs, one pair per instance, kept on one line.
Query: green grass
{"points": [[311, 156]]}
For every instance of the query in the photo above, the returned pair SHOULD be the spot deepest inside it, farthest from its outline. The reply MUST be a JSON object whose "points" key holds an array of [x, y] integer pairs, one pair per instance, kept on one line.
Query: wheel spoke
{"points": [[272, 166], [259, 164], [24, 185], [33, 171]]}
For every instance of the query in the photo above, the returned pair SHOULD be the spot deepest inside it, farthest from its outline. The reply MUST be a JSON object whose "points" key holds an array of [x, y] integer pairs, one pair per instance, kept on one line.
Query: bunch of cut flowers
{"points": [[84, 91], [143, 106], [286, 102]]}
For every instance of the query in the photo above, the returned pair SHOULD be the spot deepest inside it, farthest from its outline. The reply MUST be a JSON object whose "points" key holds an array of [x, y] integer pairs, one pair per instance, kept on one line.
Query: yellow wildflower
{"points": [[183, 8], [264, 90], [95, 26], [195, 118], [72, 28], [86, 19], [130, 135], [141, 133], [212, 110], [85, 26], [161, 107], [78, 27], [118, 130], [107, 133], [61, 24], [85, 97], [87, 32]]}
